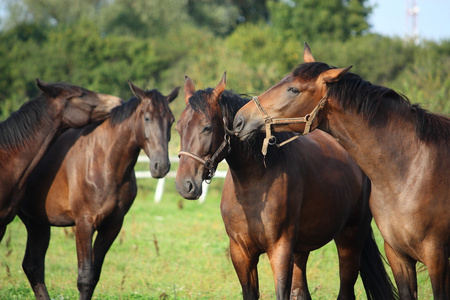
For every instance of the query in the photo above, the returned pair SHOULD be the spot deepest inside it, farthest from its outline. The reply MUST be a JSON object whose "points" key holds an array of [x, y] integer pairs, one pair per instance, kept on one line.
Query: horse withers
{"points": [[26, 135], [294, 201], [87, 180], [403, 149]]}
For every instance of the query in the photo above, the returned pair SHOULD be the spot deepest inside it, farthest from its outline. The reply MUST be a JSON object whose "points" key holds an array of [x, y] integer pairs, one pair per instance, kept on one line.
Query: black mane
{"points": [[355, 94], [230, 103], [125, 110], [17, 130]]}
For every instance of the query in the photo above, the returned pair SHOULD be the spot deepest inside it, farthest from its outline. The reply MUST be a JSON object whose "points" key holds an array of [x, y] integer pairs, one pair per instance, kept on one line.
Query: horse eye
{"points": [[207, 128], [82, 95], [293, 90]]}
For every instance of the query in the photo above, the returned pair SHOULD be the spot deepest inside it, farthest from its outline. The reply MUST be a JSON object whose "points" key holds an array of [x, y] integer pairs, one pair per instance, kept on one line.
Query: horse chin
{"points": [[159, 170], [250, 131], [244, 136]]}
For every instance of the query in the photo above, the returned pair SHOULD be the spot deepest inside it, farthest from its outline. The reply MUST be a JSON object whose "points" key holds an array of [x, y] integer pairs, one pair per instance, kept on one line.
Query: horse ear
{"points": [[334, 75], [307, 55], [173, 94], [138, 92], [189, 89], [218, 90], [48, 88]]}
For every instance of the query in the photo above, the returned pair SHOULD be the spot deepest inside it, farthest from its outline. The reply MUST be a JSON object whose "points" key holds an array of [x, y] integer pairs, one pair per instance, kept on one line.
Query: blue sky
{"points": [[389, 17]]}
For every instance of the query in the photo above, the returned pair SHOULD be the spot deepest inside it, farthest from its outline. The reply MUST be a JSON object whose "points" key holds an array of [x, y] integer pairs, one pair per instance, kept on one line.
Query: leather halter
{"points": [[210, 163], [268, 120]]}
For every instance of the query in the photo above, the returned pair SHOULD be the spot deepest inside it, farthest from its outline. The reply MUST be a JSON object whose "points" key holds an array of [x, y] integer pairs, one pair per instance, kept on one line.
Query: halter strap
{"points": [[268, 120], [209, 163]]}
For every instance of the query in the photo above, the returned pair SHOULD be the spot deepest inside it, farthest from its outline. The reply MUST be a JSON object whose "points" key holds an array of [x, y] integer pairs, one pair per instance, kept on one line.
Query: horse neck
{"points": [[383, 147], [123, 146], [242, 160], [25, 157]]}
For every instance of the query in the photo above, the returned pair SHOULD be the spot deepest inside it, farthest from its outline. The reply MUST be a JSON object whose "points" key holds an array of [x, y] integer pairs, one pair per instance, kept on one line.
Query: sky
{"points": [[389, 17]]}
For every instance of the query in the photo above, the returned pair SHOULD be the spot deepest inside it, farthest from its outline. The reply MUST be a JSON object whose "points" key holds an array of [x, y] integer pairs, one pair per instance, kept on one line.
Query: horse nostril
{"points": [[189, 186], [239, 124]]}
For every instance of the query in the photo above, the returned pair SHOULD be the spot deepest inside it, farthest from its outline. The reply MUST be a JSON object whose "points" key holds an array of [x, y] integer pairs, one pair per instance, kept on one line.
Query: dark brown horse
{"points": [[87, 179], [310, 193], [28, 132], [403, 149]]}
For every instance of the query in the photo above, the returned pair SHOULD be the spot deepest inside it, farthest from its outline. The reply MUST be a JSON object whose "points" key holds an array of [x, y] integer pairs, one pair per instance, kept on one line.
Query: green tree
{"points": [[426, 80], [144, 18], [220, 17], [51, 12], [310, 20], [269, 55], [253, 11]]}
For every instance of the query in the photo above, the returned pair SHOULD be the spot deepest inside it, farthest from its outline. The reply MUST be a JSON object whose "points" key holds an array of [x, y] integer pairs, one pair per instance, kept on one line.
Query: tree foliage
{"points": [[319, 20], [101, 44]]}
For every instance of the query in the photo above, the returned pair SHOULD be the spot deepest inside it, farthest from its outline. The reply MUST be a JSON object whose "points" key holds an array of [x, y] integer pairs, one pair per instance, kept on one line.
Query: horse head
{"points": [[154, 122], [75, 106], [201, 131], [294, 104]]}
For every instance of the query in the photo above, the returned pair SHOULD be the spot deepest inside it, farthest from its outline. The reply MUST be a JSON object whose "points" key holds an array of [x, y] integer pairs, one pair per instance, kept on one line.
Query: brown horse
{"points": [[402, 148], [87, 179], [310, 193], [28, 132]]}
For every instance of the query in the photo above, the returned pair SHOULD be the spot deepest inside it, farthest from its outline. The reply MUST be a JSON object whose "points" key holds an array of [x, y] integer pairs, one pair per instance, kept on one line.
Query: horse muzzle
{"points": [[159, 168], [188, 188]]}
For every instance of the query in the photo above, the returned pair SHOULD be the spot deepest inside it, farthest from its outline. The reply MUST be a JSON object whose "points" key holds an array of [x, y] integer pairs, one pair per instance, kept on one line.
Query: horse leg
{"points": [[105, 237], [438, 270], [349, 252], [299, 289], [404, 270], [2, 231], [282, 260], [34, 260], [85, 281], [246, 270]]}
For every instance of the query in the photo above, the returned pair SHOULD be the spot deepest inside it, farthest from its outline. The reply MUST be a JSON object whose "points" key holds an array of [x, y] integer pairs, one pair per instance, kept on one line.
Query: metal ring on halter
{"points": [[307, 117], [272, 140]]}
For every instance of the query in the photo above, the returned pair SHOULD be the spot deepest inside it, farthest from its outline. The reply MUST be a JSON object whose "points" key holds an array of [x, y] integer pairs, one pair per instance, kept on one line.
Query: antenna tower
{"points": [[412, 11]]}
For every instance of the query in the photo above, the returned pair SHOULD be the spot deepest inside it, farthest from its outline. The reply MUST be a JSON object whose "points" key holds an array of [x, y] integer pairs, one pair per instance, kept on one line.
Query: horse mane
{"points": [[356, 94], [125, 110], [20, 127], [230, 103]]}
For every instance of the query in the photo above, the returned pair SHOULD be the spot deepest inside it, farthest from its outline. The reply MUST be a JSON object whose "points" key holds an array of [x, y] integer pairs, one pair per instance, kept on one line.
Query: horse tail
{"points": [[375, 279]]}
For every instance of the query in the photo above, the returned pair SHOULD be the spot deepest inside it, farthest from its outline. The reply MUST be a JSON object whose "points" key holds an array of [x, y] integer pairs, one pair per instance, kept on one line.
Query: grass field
{"points": [[177, 249]]}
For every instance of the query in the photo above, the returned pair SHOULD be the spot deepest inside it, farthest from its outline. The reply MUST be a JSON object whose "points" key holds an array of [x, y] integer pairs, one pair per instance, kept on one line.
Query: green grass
{"points": [[177, 249]]}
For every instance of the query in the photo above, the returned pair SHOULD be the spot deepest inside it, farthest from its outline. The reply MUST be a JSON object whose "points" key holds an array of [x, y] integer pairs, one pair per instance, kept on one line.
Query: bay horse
{"points": [[87, 180], [304, 195], [404, 150], [29, 131]]}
